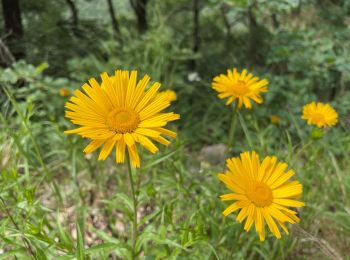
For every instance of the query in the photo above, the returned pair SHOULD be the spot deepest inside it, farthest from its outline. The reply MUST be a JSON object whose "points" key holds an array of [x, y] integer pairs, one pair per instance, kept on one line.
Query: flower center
{"points": [[122, 120], [318, 117], [260, 194], [240, 88]]}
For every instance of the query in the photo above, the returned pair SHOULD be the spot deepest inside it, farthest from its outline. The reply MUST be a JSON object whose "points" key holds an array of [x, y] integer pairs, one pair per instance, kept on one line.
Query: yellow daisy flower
{"points": [[120, 113], [169, 95], [64, 92], [262, 192], [320, 114], [241, 86]]}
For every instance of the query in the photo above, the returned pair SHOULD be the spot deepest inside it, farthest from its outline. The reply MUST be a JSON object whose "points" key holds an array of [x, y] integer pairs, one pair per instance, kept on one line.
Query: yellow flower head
{"points": [[64, 92], [120, 113], [169, 95], [275, 119], [241, 86], [320, 114], [262, 192]]}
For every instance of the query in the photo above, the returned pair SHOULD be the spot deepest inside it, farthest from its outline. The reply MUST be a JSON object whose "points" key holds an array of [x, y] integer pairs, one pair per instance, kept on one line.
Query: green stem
{"points": [[75, 177], [245, 129], [134, 226], [232, 128], [301, 151]]}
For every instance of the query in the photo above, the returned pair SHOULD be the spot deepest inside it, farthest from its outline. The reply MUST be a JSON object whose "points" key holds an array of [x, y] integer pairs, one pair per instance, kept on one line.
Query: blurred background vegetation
{"points": [[57, 203]]}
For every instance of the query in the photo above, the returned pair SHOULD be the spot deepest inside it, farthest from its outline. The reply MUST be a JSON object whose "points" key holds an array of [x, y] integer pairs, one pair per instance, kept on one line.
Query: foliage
{"points": [[57, 203]]}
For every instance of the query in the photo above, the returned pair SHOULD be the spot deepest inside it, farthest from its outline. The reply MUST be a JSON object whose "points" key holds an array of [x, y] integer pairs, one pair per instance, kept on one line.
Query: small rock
{"points": [[213, 154]]}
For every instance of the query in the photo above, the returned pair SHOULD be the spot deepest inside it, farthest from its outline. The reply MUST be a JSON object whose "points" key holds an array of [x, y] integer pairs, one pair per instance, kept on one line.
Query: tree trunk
{"points": [[114, 19], [139, 7], [224, 8], [275, 21], [257, 42], [74, 17], [196, 37], [13, 27], [6, 57]]}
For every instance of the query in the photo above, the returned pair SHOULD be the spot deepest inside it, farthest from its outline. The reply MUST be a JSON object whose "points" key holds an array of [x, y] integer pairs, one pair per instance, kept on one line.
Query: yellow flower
{"points": [[275, 119], [120, 113], [320, 114], [169, 95], [64, 92], [262, 192], [241, 86]]}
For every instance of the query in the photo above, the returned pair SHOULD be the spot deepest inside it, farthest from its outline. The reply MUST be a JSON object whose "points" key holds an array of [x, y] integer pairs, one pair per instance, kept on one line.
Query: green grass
{"points": [[58, 203]]}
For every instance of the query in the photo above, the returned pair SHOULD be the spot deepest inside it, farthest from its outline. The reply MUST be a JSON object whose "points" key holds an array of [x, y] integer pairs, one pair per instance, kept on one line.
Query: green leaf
{"points": [[125, 200], [30, 195], [43, 66], [159, 160], [102, 248], [14, 252], [40, 254], [122, 250], [64, 237], [159, 239], [80, 244]]}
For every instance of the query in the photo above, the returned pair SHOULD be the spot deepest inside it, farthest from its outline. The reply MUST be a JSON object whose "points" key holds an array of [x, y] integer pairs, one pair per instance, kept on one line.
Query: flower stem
{"points": [[134, 226], [301, 151], [232, 128]]}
